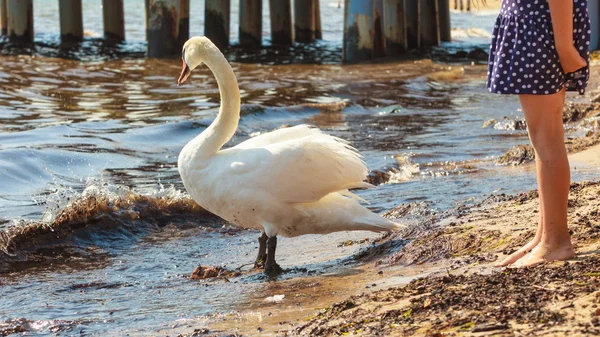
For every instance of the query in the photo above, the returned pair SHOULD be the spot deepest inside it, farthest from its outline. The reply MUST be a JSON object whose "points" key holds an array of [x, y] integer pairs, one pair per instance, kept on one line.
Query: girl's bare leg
{"points": [[562, 21], [544, 121]]}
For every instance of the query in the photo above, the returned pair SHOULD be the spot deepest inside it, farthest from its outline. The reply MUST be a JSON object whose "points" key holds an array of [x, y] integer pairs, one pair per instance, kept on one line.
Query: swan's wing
{"points": [[281, 135], [303, 169]]}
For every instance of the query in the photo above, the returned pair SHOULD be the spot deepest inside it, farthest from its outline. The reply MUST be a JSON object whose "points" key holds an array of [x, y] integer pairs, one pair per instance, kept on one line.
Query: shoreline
{"points": [[471, 296], [437, 277], [441, 280]]}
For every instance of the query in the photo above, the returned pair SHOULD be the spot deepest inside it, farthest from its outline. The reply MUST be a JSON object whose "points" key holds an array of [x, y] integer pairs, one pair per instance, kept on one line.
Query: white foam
{"points": [[62, 197], [407, 168]]}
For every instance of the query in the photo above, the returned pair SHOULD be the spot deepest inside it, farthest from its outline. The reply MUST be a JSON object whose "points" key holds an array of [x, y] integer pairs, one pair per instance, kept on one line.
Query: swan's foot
{"points": [[275, 269], [262, 251], [271, 267]]}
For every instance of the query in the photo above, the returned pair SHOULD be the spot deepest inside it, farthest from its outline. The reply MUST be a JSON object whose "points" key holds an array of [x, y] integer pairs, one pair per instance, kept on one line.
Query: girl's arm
{"points": [[561, 12]]}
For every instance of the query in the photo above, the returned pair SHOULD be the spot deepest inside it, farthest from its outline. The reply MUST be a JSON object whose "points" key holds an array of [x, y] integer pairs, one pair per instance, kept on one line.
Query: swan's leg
{"points": [[270, 265], [262, 251]]}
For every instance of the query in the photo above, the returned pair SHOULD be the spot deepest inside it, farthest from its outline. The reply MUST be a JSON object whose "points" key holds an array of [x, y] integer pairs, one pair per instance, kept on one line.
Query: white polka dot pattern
{"points": [[523, 59]]}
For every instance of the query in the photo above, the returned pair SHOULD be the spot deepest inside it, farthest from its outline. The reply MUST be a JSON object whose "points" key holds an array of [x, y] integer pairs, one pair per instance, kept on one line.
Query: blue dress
{"points": [[523, 59]]}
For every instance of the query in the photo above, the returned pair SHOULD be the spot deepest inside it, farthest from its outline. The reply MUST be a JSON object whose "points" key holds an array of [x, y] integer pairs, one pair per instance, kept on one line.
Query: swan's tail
{"points": [[369, 219], [340, 212], [376, 223]]}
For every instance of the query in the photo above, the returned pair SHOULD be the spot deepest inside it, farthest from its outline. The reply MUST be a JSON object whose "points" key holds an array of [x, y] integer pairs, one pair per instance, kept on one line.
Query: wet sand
{"points": [[471, 297], [464, 295], [589, 157]]}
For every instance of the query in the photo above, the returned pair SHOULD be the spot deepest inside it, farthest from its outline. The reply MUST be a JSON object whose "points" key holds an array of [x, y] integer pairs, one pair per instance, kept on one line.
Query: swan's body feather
{"points": [[294, 132], [296, 186], [291, 181], [301, 164]]}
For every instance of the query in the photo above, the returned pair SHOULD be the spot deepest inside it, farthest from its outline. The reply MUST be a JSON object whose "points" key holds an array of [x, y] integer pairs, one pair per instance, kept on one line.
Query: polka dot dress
{"points": [[523, 59]]}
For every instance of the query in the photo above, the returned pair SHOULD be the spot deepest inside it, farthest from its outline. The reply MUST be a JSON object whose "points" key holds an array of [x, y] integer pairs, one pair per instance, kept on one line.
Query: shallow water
{"points": [[112, 128]]}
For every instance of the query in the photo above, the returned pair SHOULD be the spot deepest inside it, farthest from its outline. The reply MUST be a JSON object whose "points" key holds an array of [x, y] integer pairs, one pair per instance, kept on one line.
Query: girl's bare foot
{"points": [[512, 258], [519, 254], [546, 253]]}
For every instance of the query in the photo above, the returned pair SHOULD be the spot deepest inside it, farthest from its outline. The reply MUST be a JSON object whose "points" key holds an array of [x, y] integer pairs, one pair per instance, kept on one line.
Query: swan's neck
{"points": [[224, 126]]}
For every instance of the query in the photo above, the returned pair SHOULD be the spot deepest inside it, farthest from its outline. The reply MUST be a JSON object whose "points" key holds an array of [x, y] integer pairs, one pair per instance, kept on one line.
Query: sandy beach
{"points": [[471, 297]]}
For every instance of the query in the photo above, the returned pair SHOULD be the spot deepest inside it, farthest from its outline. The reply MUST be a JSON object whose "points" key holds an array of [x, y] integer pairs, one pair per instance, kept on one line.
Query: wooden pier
{"points": [[372, 28], [462, 5], [281, 22], [391, 27], [19, 18], [114, 20], [71, 20], [216, 18]]}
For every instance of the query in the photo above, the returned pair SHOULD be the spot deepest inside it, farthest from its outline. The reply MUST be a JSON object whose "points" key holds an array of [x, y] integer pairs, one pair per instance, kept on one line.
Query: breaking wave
{"points": [[76, 222]]}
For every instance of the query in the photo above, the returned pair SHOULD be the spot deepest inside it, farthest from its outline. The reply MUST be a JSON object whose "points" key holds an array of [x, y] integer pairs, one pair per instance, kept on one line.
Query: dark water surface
{"points": [[88, 148]]}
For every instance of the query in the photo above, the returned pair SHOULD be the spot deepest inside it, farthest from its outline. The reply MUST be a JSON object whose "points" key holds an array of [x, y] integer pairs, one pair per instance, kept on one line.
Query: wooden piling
{"points": [[71, 20], [358, 27], [114, 20], [216, 22], [378, 29], [412, 18], [444, 20], [304, 20], [3, 17], [394, 26], [251, 23], [429, 23], [318, 28], [281, 22], [20, 21], [162, 28], [462, 5], [184, 23]]}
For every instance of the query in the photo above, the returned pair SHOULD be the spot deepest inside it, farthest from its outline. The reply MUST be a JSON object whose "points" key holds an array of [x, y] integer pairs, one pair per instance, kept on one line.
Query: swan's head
{"points": [[195, 52]]}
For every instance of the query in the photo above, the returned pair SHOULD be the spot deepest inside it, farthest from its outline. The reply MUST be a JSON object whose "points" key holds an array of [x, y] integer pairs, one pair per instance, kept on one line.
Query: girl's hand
{"points": [[570, 60]]}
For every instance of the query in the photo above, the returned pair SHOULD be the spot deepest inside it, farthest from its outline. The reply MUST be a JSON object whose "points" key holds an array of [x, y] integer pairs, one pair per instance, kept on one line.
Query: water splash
{"points": [[405, 171], [101, 213]]}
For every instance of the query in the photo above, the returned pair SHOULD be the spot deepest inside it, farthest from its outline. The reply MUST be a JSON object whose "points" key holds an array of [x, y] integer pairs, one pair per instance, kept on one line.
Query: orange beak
{"points": [[185, 73]]}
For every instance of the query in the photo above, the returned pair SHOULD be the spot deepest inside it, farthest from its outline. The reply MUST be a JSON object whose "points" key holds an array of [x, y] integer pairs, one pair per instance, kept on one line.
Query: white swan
{"points": [[291, 181]]}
